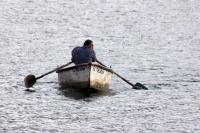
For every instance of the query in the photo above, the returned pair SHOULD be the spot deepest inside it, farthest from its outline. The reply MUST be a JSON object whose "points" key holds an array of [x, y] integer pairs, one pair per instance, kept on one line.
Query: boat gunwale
{"points": [[85, 64]]}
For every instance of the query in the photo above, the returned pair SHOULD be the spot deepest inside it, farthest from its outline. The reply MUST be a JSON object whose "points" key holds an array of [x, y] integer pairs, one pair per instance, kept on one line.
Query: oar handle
{"points": [[118, 75], [53, 70]]}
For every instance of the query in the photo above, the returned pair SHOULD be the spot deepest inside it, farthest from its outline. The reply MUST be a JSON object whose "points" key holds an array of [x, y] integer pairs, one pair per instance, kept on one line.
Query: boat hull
{"points": [[85, 76]]}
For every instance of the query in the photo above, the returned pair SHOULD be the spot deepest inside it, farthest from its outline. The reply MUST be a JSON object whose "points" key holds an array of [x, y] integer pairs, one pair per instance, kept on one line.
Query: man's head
{"points": [[88, 43]]}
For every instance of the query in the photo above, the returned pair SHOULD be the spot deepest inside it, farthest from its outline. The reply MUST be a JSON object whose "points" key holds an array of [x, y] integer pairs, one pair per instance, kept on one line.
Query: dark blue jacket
{"points": [[83, 55]]}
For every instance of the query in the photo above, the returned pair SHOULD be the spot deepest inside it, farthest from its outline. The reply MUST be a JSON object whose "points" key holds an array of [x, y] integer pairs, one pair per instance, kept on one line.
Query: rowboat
{"points": [[87, 75]]}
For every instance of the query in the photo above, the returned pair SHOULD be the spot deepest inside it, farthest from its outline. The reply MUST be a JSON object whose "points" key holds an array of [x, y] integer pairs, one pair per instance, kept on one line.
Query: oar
{"points": [[30, 79], [136, 86]]}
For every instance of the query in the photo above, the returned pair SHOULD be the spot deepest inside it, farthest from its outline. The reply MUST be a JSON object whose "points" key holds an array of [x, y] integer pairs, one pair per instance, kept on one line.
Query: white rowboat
{"points": [[88, 75]]}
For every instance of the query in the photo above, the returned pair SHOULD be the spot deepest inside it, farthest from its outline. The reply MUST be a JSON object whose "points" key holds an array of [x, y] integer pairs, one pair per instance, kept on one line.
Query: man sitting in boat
{"points": [[84, 54]]}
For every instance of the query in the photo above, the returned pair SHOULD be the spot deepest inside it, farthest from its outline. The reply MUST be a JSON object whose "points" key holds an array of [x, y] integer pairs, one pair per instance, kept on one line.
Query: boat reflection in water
{"points": [[84, 94]]}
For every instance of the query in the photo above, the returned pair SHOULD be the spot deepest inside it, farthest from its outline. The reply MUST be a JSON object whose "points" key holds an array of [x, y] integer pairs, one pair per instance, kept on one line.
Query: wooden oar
{"points": [[30, 79], [136, 86]]}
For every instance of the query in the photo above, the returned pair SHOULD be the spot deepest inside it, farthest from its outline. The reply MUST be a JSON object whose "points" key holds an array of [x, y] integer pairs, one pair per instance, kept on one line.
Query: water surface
{"points": [[155, 43]]}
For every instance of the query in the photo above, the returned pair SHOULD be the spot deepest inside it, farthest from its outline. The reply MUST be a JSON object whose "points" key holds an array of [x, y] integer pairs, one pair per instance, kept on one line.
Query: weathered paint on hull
{"points": [[85, 76], [99, 78]]}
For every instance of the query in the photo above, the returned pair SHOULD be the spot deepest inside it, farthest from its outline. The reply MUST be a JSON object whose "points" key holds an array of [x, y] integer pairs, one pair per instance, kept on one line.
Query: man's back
{"points": [[83, 55]]}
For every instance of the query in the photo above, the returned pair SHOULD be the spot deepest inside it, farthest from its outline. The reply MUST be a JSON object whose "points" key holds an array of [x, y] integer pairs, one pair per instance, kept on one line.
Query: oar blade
{"points": [[29, 80], [140, 86]]}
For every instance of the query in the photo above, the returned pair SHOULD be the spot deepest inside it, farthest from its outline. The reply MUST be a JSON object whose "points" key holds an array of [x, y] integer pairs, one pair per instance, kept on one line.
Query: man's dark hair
{"points": [[87, 42]]}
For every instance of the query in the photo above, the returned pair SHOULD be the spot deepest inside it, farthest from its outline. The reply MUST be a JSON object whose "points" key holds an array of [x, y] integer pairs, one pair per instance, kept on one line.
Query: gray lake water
{"points": [[153, 42]]}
